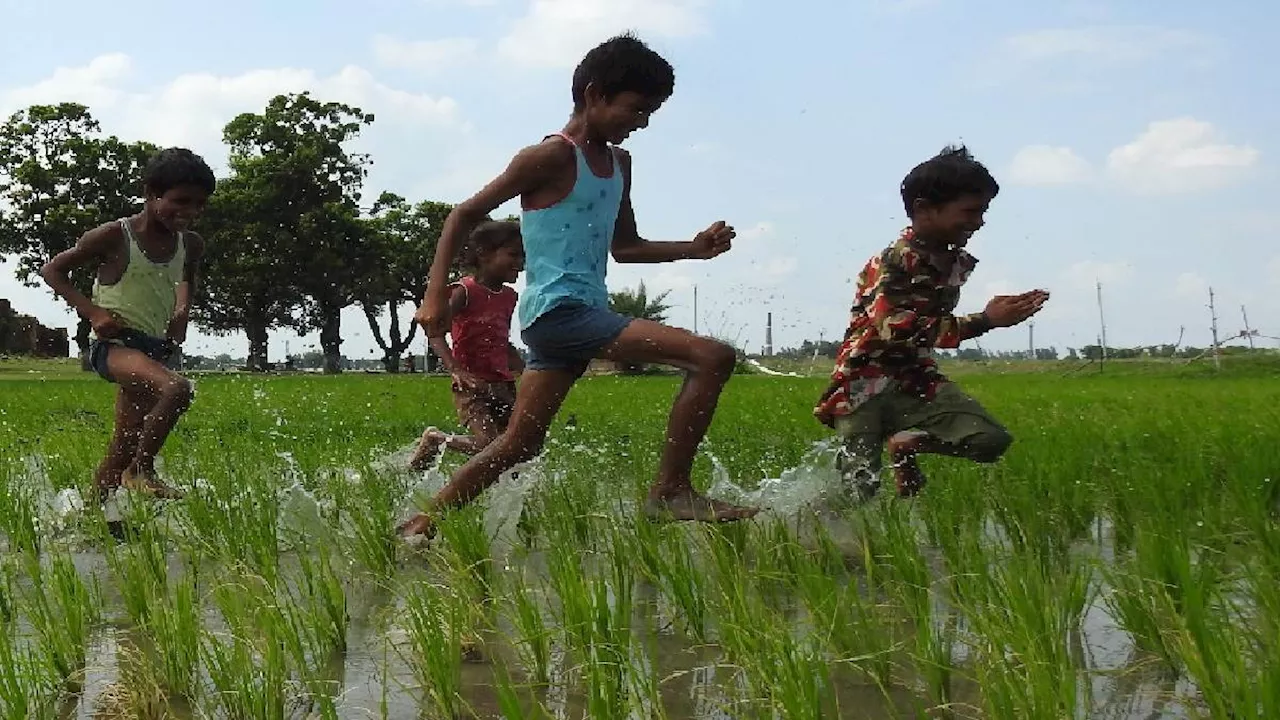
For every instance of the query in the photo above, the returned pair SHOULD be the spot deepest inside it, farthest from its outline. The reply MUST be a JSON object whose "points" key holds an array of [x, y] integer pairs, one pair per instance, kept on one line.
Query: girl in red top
{"points": [[482, 360]]}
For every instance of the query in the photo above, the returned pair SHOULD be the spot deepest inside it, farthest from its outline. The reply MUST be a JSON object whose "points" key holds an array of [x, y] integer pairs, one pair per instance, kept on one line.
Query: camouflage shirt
{"points": [[902, 309]]}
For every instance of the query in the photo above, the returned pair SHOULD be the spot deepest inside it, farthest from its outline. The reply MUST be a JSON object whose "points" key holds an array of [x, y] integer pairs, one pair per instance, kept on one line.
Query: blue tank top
{"points": [[566, 245]]}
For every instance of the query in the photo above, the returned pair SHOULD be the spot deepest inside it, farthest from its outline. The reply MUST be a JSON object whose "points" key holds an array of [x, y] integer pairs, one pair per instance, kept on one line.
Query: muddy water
{"points": [[371, 679]]}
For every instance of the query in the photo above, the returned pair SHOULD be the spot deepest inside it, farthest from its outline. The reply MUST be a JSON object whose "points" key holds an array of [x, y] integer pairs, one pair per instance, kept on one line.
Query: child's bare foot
{"points": [[692, 506], [906, 471], [428, 447], [419, 524], [149, 484]]}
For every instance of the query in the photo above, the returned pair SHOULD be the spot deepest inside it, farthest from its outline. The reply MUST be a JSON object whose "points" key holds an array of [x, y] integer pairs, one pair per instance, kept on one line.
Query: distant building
{"points": [[24, 335]]}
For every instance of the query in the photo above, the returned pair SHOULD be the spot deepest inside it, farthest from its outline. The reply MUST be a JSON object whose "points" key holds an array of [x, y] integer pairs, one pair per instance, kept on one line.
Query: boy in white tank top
{"points": [[145, 272]]}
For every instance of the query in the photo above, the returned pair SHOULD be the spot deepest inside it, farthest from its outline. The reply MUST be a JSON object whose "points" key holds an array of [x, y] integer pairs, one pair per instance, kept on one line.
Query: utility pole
{"points": [[1102, 339], [1213, 314], [1248, 333], [1031, 340], [695, 309]]}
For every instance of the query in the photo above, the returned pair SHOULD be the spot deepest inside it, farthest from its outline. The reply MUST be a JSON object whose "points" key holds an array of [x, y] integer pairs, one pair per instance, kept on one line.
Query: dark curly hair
{"points": [[620, 64], [488, 237], [174, 167], [947, 176]]}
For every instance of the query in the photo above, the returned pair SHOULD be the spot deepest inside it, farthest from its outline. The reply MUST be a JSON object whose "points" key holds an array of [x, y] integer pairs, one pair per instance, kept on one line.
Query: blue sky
{"points": [[1134, 142]]}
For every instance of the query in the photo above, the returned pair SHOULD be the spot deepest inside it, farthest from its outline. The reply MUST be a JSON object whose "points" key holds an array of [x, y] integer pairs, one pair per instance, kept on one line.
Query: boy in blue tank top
{"points": [[574, 189]]}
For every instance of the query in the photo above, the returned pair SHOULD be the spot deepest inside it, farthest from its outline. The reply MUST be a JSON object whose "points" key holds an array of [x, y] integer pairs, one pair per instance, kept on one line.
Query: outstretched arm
{"points": [[629, 247], [527, 171]]}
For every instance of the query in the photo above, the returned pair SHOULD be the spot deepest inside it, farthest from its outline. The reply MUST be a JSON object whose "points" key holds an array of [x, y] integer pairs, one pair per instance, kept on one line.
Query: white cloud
{"points": [[775, 269], [1048, 165], [1103, 45], [1178, 155], [424, 56], [192, 109], [759, 230], [93, 85], [557, 33], [1089, 272], [1190, 285]]}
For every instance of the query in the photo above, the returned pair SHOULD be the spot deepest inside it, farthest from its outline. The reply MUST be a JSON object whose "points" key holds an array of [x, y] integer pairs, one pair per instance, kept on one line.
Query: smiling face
{"points": [[614, 119], [950, 224], [502, 264], [178, 207]]}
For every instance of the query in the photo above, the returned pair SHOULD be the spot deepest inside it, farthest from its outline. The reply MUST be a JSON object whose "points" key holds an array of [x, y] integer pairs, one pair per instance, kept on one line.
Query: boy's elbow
{"points": [[624, 253]]}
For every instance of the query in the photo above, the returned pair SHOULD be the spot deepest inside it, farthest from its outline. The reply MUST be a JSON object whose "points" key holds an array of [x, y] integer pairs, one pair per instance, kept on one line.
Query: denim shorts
{"points": [[569, 337], [162, 350]]}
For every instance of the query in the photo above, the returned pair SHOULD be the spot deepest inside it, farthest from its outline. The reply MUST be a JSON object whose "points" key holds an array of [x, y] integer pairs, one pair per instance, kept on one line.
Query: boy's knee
{"points": [[179, 391], [990, 445], [717, 358]]}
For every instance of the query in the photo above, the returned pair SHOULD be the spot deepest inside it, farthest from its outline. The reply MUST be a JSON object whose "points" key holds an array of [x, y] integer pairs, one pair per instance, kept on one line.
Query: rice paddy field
{"points": [[1123, 561]]}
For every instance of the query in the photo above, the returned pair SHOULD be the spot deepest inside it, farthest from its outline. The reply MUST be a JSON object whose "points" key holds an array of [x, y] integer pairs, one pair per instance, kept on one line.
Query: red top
{"points": [[481, 331]]}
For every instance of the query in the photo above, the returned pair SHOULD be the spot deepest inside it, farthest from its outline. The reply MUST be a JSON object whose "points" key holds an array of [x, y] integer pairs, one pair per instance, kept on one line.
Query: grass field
{"points": [[1122, 562]]}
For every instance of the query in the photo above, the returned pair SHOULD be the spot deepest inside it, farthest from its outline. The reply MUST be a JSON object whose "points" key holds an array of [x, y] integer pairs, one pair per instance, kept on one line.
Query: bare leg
{"points": [[137, 374], [708, 365], [479, 415], [537, 401], [983, 447], [131, 411]]}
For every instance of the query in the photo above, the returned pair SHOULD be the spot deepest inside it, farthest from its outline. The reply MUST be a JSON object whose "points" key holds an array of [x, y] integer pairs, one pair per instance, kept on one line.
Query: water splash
{"points": [[817, 482]]}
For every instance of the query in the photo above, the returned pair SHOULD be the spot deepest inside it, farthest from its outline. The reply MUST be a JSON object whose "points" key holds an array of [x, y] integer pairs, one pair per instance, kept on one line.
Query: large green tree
{"points": [[404, 239], [59, 178], [306, 185], [248, 264]]}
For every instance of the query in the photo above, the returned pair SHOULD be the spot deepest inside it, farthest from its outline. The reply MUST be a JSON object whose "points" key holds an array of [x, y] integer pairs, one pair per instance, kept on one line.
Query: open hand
{"points": [[715, 240], [1009, 310], [105, 323]]}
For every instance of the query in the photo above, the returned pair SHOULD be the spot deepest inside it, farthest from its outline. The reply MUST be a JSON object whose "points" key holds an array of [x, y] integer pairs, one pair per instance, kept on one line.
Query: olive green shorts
{"points": [[953, 417]]}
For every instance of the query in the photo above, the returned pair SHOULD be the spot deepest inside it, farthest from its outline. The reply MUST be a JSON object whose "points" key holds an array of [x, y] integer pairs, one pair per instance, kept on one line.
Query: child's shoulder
{"points": [[109, 236]]}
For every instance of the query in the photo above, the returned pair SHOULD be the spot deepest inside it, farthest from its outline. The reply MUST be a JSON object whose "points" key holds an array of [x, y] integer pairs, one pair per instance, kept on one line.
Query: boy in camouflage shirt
{"points": [[886, 386]]}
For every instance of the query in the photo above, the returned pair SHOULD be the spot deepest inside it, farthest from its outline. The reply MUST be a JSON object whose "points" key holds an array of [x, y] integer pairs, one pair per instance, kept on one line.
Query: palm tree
{"points": [[637, 304]]}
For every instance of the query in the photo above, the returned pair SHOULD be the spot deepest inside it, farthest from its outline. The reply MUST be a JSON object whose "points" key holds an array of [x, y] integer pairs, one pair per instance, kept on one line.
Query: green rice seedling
{"points": [[366, 510], [63, 610], [18, 517], [533, 643], [665, 556], [510, 704], [1164, 585], [249, 678], [467, 550], [784, 667], [174, 626], [434, 618], [238, 519], [850, 625], [910, 582], [321, 594], [248, 663], [28, 686], [140, 573], [1023, 615]]}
